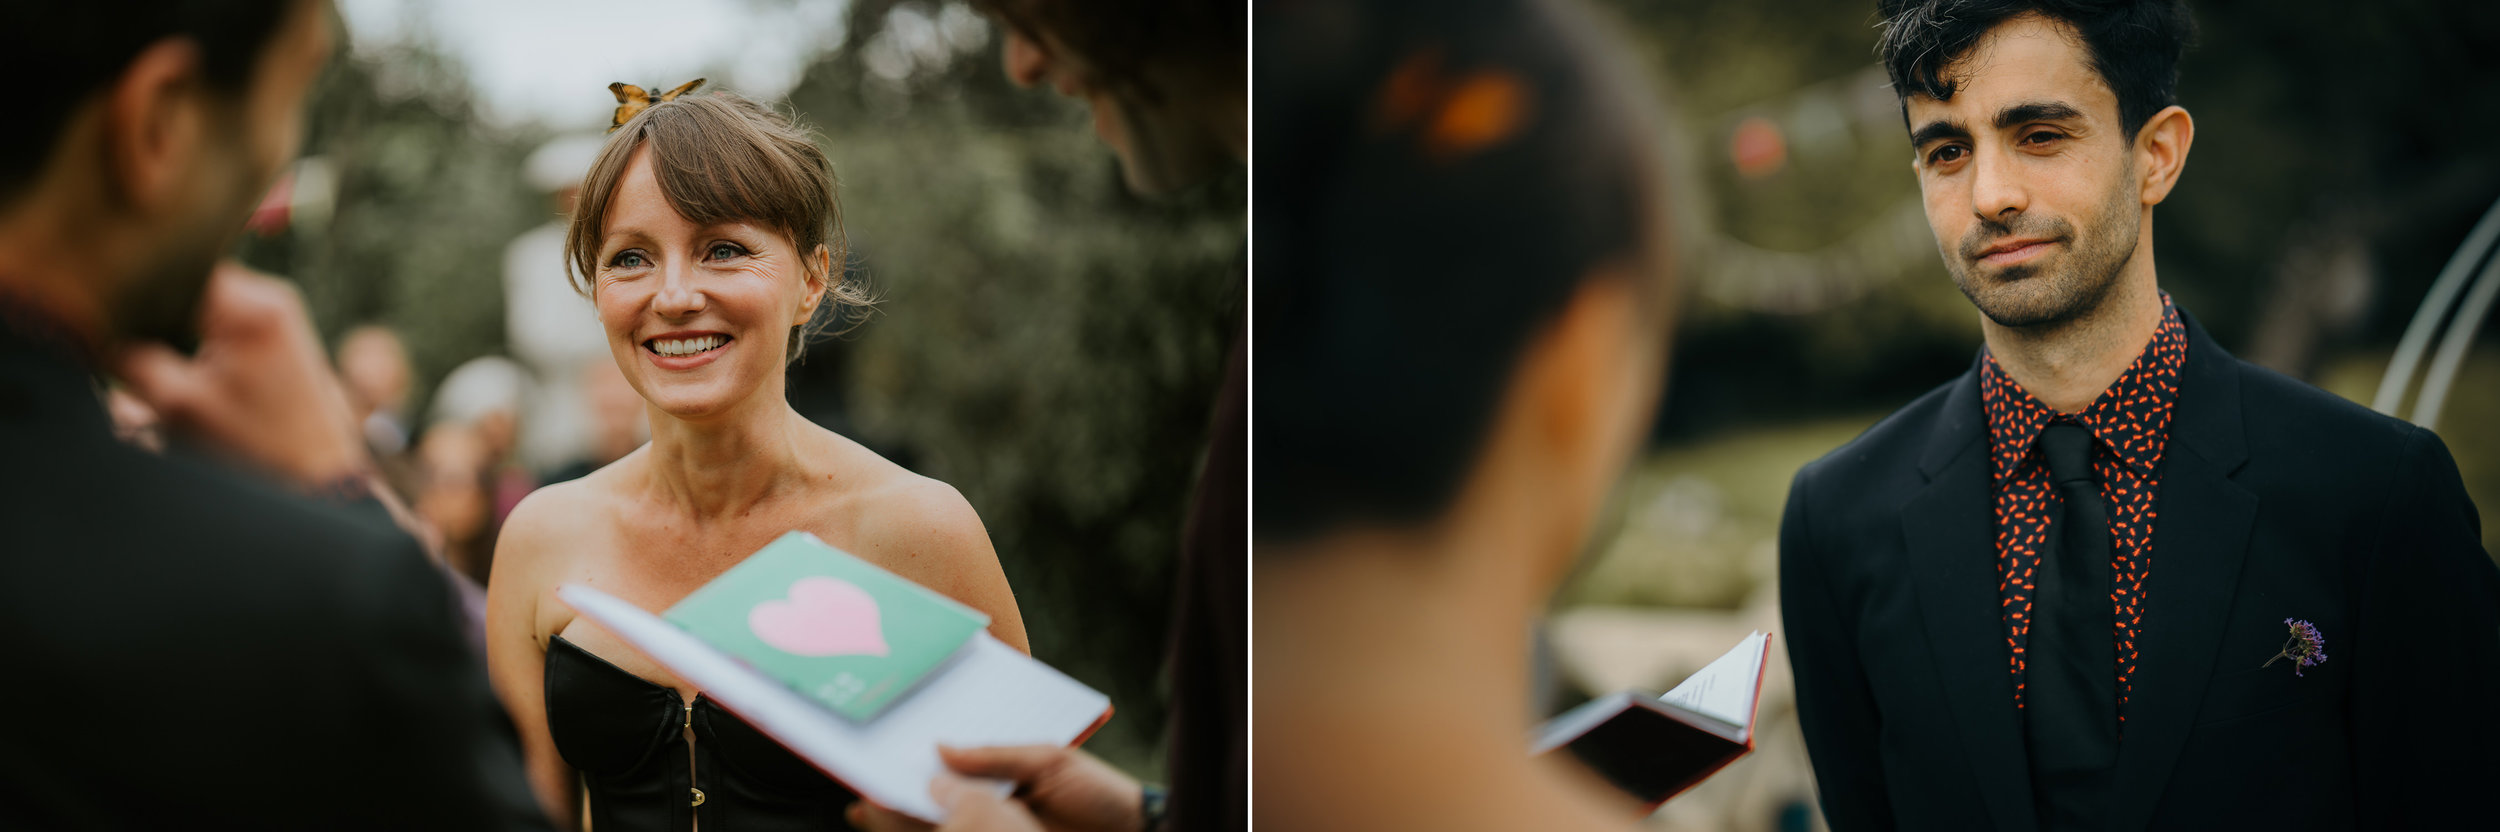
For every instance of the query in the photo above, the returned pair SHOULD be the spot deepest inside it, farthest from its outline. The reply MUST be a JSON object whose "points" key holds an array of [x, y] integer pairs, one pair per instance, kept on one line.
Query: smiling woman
{"points": [[707, 236], [717, 160]]}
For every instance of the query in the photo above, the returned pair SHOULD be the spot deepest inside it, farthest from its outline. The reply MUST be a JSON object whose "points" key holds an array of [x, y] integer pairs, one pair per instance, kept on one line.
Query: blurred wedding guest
{"points": [[486, 398], [552, 330], [455, 496], [1167, 83], [1463, 327], [228, 635], [2111, 576], [617, 425], [374, 365]]}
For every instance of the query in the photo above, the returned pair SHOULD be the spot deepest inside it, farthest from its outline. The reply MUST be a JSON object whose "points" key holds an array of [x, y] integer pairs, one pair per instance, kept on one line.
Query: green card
{"points": [[831, 626]]}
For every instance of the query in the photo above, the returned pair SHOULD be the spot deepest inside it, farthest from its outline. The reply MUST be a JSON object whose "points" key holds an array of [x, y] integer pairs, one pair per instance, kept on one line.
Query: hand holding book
{"points": [[1057, 788]]}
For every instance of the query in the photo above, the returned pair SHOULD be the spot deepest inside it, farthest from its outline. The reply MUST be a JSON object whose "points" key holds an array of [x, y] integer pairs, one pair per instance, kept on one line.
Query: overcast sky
{"points": [[550, 61]]}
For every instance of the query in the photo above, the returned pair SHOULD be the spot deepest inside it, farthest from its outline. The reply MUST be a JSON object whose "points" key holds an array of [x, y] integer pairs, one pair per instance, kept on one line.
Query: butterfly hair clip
{"points": [[632, 100]]}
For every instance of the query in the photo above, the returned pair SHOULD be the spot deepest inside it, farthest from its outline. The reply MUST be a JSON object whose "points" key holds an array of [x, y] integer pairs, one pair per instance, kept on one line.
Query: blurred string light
{"points": [[915, 40], [1831, 118]]}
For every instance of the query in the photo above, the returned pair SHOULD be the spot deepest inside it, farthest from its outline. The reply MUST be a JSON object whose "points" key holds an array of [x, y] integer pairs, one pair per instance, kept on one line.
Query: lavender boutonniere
{"points": [[2305, 648]]}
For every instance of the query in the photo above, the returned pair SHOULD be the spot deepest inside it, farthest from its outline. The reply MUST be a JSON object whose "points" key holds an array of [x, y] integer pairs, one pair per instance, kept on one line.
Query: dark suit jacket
{"points": [[190, 648], [2277, 501]]}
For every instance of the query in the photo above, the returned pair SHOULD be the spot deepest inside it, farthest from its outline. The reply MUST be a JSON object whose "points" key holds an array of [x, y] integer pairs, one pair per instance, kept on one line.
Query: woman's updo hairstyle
{"points": [[722, 157]]}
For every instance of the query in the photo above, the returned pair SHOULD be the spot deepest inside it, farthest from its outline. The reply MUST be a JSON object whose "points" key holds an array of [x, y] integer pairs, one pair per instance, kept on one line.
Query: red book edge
{"points": [[1741, 751], [1081, 737]]}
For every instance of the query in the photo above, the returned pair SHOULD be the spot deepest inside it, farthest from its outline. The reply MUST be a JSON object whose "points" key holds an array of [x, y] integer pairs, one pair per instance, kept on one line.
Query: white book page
{"points": [[1725, 689], [990, 694]]}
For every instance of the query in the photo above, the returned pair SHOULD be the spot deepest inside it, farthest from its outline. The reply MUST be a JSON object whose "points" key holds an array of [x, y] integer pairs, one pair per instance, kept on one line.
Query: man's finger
{"points": [[970, 806], [1020, 763], [160, 377]]}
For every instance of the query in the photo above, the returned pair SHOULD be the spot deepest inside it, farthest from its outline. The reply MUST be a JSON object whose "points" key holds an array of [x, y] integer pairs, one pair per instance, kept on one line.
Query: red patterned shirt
{"points": [[2131, 423]]}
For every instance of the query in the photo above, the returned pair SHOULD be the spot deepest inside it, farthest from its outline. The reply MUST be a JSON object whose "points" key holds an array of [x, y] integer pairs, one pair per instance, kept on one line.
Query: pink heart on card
{"points": [[823, 617]]}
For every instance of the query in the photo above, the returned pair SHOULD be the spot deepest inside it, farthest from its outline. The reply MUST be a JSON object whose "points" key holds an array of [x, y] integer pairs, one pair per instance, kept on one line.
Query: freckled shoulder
{"points": [[911, 518], [925, 530]]}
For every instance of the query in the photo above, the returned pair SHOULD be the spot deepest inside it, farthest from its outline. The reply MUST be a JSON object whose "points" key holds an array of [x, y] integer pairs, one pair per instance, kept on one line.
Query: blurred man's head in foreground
{"points": [[2044, 132], [157, 126], [1464, 278], [1166, 78]]}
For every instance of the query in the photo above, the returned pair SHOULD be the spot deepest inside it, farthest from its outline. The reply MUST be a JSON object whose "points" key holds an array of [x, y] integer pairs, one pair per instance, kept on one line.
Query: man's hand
{"points": [[260, 389], [1057, 789]]}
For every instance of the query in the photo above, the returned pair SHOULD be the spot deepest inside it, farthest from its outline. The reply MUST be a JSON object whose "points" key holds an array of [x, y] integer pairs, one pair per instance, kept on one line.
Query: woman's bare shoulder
{"points": [[907, 516], [555, 515]]}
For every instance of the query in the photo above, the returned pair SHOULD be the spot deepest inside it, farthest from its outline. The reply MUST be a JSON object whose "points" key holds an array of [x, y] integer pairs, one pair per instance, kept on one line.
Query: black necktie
{"points": [[2070, 686]]}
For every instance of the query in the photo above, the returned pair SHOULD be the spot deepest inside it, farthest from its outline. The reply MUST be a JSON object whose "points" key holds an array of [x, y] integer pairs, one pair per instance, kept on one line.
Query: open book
{"points": [[855, 669], [1655, 747]]}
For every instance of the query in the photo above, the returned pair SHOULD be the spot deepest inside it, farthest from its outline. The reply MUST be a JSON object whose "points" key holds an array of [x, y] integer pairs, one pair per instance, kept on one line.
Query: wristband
{"points": [[1150, 807]]}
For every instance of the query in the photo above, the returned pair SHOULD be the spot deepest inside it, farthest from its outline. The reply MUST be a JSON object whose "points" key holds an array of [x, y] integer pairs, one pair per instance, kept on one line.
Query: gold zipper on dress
{"points": [[698, 793]]}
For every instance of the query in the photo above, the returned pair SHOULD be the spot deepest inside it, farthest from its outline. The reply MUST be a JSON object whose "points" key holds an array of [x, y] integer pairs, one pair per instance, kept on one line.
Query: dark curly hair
{"points": [[2135, 44]]}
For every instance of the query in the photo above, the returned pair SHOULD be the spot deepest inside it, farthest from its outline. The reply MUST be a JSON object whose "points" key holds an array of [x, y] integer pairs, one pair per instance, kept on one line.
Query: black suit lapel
{"points": [[1951, 536], [2200, 537]]}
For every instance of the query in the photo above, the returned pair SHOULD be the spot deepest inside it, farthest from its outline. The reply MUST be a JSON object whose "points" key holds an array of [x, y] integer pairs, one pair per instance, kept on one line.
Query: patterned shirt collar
{"points": [[2131, 418]]}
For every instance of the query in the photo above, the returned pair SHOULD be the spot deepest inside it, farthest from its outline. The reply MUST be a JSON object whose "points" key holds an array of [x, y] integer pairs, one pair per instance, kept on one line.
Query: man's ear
{"points": [[2161, 152], [153, 123]]}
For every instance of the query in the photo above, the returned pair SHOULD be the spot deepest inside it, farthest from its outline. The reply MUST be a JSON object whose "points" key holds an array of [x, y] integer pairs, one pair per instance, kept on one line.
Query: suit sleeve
{"points": [[1834, 706], [448, 753], [2426, 655]]}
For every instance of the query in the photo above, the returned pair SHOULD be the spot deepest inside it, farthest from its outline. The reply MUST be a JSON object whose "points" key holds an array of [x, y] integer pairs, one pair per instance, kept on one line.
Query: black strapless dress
{"points": [[626, 736]]}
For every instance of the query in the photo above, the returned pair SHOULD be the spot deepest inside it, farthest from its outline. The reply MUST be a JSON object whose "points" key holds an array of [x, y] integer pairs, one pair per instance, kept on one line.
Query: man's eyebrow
{"points": [[1938, 130], [2030, 111]]}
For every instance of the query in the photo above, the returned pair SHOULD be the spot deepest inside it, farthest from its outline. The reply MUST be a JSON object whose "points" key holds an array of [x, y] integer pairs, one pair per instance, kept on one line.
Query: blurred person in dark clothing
{"points": [[1167, 83], [1463, 333], [245, 644], [2112, 577]]}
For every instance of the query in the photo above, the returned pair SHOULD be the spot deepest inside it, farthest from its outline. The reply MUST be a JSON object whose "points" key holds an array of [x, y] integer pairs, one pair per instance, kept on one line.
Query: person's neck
{"points": [[726, 465], [2068, 364], [1393, 675]]}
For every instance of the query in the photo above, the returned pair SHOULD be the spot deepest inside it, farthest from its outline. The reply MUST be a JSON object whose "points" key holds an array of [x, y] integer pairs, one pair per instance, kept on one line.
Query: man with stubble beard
{"points": [[233, 635], [2113, 577]]}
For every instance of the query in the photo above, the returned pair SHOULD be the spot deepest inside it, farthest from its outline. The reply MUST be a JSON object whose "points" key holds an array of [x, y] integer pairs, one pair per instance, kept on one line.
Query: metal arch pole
{"points": [[2426, 320], [2451, 357]]}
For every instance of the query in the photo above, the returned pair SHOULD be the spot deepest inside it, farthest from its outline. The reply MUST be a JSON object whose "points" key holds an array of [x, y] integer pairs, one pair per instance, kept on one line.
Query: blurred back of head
{"points": [[78, 48], [1166, 47], [1438, 180]]}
